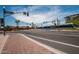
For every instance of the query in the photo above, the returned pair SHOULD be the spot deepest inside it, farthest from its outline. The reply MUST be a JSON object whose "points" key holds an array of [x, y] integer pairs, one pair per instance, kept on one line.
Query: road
{"points": [[65, 41]]}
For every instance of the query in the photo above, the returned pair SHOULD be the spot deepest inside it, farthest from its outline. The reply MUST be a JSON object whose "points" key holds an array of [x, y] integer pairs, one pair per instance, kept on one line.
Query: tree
{"points": [[17, 23], [8, 28], [74, 19]]}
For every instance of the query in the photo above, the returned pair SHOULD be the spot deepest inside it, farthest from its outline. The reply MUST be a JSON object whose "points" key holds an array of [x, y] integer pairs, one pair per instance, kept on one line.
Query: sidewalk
{"points": [[3, 41], [17, 44]]}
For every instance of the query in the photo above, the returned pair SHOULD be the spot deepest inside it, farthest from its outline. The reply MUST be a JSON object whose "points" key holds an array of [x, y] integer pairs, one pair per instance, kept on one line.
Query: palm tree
{"points": [[17, 23]]}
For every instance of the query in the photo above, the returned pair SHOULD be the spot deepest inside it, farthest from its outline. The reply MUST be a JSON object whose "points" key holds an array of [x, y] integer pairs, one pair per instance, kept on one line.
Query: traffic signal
{"points": [[26, 13], [7, 12]]}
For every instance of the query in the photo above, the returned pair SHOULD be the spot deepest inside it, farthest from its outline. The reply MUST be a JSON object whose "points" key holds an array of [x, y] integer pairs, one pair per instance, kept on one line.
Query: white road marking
{"points": [[67, 44], [3, 43], [64, 34], [67, 35], [45, 46]]}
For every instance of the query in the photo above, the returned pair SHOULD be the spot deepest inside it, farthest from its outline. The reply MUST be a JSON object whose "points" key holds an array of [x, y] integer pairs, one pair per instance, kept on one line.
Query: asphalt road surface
{"points": [[65, 41]]}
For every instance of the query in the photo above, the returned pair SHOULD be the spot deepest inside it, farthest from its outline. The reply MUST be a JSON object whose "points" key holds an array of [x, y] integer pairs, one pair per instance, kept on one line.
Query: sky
{"points": [[38, 14]]}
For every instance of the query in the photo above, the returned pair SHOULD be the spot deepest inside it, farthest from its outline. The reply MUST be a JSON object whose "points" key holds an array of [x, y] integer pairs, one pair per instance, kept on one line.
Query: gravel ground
{"points": [[17, 44]]}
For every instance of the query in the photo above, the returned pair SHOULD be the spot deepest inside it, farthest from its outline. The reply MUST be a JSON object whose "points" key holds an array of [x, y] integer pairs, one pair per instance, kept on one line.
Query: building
{"points": [[72, 19]]}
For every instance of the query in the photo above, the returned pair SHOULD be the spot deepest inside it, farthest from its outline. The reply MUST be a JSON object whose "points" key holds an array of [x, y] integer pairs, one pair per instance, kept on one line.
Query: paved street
{"points": [[40, 41], [64, 41], [39, 29]]}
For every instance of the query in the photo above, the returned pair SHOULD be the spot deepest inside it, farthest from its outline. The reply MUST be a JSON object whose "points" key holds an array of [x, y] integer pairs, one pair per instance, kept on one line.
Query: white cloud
{"points": [[38, 17]]}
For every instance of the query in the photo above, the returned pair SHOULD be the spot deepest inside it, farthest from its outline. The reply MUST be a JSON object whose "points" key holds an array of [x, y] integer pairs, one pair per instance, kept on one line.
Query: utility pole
{"points": [[58, 22], [41, 25], [33, 26]]}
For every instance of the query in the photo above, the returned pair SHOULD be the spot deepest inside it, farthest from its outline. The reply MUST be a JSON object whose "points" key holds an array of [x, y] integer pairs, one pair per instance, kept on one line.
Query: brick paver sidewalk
{"points": [[17, 44], [3, 40]]}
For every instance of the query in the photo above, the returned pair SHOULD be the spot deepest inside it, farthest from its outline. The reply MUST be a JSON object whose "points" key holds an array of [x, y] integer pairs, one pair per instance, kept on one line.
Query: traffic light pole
{"points": [[9, 13], [4, 21]]}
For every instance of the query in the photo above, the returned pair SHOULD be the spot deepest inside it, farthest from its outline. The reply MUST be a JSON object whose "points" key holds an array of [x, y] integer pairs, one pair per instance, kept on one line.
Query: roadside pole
{"points": [[4, 21]]}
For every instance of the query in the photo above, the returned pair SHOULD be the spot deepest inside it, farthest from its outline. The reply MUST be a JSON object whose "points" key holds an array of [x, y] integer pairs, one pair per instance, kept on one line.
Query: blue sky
{"points": [[39, 13]]}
